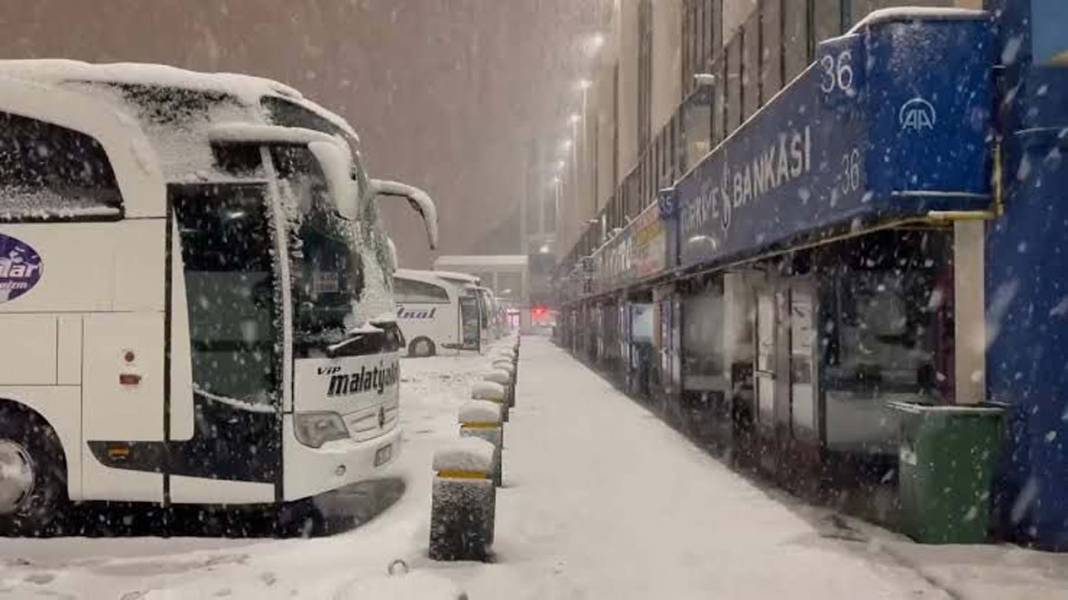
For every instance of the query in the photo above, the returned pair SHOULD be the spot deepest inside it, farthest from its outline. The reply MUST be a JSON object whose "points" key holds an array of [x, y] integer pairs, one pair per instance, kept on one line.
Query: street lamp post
{"points": [[573, 177]]}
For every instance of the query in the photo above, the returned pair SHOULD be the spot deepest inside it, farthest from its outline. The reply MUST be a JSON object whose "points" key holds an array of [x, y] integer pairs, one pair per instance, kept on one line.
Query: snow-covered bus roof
{"points": [[249, 89], [457, 276], [481, 260], [176, 107], [418, 275], [433, 277]]}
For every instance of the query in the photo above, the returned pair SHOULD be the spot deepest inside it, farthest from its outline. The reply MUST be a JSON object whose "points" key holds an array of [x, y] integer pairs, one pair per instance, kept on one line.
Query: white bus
{"points": [[194, 302], [496, 319], [431, 312], [482, 296]]}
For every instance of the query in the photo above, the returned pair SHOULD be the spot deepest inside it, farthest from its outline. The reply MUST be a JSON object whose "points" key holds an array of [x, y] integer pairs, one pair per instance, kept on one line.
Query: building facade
{"points": [[673, 80], [811, 211]]}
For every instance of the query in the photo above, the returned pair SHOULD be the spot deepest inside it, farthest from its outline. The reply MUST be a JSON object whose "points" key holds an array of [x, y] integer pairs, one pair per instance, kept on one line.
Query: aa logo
{"points": [[917, 115]]}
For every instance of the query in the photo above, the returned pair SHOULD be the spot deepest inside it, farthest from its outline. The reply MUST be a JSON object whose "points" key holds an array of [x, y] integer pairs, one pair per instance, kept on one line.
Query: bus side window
{"points": [[49, 172], [408, 290]]}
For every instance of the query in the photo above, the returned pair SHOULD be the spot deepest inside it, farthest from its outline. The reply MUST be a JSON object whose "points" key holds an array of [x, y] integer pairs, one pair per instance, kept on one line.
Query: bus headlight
{"points": [[317, 428]]}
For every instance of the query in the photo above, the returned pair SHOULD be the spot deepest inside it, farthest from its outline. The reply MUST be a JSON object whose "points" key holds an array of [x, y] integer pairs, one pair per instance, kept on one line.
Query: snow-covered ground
{"points": [[601, 500]]}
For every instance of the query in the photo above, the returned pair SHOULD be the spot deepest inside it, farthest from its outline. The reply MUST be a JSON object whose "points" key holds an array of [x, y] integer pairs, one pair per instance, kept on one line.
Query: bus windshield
{"points": [[327, 270], [486, 308]]}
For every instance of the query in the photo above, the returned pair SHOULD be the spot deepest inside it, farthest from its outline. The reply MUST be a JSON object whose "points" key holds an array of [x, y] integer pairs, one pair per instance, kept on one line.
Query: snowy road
{"points": [[601, 500]]}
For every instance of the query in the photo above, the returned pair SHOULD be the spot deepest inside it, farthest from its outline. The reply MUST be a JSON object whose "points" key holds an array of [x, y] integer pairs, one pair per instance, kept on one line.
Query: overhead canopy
{"points": [[892, 121]]}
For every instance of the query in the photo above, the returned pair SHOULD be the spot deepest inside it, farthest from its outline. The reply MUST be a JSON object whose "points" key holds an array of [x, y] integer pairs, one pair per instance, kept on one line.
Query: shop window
{"points": [[703, 360], [883, 341], [887, 324], [642, 322]]}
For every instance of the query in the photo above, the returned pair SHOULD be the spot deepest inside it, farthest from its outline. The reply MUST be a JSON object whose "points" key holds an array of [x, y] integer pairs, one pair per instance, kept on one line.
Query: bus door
{"points": [[470, 322], [226, 327]]}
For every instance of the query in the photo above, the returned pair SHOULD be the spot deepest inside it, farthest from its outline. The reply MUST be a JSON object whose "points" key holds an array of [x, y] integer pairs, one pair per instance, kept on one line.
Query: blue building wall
{"points": [[1027, 272]]}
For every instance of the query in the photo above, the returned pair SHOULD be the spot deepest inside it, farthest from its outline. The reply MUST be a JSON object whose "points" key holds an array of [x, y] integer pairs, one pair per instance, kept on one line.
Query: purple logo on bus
{"points": [[20, 268]]}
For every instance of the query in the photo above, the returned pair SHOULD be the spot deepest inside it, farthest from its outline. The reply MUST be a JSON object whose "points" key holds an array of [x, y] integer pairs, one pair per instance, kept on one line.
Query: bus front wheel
{"points": [[32, 473], [421, 347]]}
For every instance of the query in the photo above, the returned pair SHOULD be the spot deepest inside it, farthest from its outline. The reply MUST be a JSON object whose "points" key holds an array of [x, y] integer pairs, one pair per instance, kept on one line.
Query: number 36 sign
{"points": [[841, 69]]}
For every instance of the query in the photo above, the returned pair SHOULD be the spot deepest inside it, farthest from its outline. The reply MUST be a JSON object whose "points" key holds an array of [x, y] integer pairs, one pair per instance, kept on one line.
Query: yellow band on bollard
{"points": [[480, 425], [463, 475]]}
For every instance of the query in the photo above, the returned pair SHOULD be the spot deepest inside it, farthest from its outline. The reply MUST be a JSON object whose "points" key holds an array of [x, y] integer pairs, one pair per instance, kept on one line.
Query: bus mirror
{"points": [[393, 262], [336, 164], [418, 199]]}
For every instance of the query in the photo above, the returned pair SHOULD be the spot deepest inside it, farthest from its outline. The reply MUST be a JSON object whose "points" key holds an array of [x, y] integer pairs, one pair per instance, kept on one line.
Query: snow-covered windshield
{"points": [[326, 265]]}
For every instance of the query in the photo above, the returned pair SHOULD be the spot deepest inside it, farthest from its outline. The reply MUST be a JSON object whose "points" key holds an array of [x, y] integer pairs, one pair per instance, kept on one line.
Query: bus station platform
{"points": [[601, 499]]}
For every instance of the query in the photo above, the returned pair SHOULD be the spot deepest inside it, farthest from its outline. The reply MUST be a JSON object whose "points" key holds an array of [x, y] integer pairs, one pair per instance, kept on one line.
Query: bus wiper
{"points": [[360, 336]]}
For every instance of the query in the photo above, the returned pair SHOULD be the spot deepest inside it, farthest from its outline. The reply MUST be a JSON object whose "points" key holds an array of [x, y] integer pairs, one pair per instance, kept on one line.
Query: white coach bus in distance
{"points": [[194, 300], [496, 322], [475, 295], [431, 312]]}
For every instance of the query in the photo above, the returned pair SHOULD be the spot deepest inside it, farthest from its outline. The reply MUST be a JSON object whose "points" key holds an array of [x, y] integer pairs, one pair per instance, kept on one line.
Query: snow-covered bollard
{"points": [[494, 392], [509, 356], [509, 366], [464, 501], [482, 419], [505, 379]]}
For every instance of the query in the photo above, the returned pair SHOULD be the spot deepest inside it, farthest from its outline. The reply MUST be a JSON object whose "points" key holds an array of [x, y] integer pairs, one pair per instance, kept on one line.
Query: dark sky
{"points": [[444, 93]]}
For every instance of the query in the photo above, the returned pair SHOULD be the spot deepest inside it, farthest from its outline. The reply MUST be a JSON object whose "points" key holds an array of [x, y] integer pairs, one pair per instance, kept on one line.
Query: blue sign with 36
{"points": [[891, 120]]}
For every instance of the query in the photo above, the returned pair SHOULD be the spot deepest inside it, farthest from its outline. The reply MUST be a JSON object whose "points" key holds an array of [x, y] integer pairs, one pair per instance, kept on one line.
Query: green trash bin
{"points": [[947, 459]]}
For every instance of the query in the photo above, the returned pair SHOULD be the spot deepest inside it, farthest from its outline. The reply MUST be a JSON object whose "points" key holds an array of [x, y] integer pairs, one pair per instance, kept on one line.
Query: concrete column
{"points": [[969, 313]]}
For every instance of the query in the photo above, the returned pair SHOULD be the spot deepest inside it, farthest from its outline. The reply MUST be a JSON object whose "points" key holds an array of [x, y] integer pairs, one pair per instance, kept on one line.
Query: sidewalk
{"points": [[602, 500]]}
